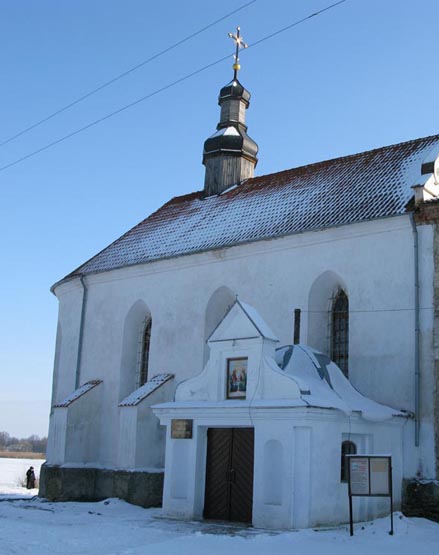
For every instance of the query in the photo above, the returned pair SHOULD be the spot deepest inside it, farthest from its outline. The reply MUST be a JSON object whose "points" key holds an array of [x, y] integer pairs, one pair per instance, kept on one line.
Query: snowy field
{"points": [[32, 526], [13, 476]]}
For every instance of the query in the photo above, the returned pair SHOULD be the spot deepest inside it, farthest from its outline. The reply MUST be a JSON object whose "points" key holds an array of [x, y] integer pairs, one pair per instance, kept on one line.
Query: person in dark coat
{"points": [[30, 478]]}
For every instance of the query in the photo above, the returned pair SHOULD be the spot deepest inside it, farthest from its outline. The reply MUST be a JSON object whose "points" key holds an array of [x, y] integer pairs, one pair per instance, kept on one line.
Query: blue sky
{"points": [[357, 77]]}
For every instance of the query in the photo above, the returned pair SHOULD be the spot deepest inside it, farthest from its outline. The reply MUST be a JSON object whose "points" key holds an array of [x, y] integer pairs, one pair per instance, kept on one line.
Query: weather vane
{"points": [[239, 44]]}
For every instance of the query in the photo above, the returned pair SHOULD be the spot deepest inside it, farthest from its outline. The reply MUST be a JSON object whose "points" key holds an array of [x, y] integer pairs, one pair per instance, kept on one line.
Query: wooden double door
{"points": [[229, 474]]}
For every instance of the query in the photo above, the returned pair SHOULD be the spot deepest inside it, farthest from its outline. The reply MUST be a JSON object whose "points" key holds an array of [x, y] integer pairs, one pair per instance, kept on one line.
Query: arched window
{"points": [[347, 448], [217, 307], [144, 354], [340, 332]]}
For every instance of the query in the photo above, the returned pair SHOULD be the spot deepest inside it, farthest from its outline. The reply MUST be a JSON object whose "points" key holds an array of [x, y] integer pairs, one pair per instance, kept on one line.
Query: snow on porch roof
{"points": [[323, 384], [360, 187]]}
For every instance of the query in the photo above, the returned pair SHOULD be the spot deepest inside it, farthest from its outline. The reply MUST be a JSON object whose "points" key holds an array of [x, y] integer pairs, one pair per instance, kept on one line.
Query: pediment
{"points": [[241, 322]]}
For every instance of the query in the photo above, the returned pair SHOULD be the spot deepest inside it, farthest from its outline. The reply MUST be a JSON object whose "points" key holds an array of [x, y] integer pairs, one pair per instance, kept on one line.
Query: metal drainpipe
{"points": [[81, 332], [417, 332]]}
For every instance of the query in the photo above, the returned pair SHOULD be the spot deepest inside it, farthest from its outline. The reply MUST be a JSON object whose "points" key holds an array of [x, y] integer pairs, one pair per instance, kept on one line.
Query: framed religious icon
{"points": [[237, 378]]}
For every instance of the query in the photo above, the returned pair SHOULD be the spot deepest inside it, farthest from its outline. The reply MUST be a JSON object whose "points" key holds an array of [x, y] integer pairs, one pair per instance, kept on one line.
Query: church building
{"points": [[223, 357]]}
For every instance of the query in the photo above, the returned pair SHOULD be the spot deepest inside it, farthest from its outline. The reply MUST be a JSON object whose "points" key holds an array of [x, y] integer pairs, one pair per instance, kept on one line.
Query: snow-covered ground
{"points": [[33, 526]]}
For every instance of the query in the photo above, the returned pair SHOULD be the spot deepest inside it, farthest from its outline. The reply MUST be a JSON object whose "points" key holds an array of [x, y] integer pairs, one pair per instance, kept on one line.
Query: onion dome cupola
{"points": [[230, 155]]}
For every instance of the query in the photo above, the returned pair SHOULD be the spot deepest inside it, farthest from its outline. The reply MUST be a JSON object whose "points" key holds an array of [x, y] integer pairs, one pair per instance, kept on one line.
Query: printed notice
{"points": [[359, 475], [379, 476], [369, 476]]}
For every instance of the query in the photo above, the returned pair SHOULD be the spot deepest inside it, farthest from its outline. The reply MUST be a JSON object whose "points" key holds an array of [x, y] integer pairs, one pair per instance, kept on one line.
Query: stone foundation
{"points": [[59, 483], [421, 498]]}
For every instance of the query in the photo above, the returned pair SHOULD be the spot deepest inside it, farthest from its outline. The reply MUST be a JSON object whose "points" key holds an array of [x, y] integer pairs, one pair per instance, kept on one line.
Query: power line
{"points": [[124, 74], [111, 114], [162, 89], [291, 25]]}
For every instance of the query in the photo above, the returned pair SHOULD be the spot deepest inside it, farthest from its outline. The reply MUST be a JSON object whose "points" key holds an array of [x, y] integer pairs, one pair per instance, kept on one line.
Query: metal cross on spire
{"points": [[239, 44]]}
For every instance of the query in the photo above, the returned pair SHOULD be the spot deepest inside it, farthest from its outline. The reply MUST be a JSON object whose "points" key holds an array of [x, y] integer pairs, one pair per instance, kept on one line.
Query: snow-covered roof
{"points": [[257, 320], [360, 187], [145, 390], [226, 131], [82, 390], [241, 321], [323, 384]]}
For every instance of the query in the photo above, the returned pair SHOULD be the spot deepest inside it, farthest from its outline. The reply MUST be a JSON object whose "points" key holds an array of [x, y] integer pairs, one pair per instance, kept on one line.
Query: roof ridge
{"points": [[345, 157], [251, 180], [376, 183]]}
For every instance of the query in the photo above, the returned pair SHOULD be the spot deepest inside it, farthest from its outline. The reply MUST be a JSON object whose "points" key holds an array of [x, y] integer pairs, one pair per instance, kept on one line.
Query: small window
{"points": [[146, 341], [340, 332], [347, 448]]}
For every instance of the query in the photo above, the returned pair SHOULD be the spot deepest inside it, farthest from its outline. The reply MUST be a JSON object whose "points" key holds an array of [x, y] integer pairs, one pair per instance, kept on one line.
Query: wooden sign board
{"points": [[181, 429]]}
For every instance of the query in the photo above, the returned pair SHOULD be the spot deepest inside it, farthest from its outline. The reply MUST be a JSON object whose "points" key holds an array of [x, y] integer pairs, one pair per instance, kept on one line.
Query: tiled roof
{"points": [[372, 184], [75, 395], [145, 390]]}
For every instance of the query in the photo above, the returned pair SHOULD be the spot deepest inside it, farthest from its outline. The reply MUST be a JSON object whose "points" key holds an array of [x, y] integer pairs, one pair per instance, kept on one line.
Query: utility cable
{"points": [[162, 89], [111, 114], [298, 22], [124, 74]]}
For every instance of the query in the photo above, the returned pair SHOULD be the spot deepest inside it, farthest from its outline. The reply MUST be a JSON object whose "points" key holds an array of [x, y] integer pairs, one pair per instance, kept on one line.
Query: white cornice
{"points": [[245, 250]]}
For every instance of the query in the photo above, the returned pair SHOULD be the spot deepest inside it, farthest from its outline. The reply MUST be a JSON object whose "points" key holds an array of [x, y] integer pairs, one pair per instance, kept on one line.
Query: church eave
{"points": [[79, 272]]}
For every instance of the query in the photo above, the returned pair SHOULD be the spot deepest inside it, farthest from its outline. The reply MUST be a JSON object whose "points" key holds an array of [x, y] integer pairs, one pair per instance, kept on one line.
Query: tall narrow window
{"points": [[340, 332], [146, 341], [347, 448]]}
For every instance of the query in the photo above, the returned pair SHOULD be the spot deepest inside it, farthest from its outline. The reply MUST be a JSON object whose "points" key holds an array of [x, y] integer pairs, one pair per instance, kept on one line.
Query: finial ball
{"points": [[239, 43]]}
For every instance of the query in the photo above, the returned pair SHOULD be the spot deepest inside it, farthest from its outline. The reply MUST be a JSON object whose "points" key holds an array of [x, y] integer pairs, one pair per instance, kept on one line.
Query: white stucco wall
{"points": [[427, 386], [69, 318], [140, 437], [296, 463], [374, 260]]}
